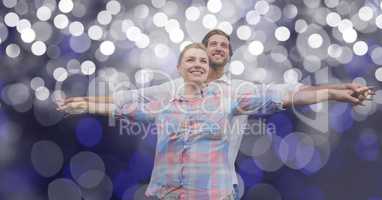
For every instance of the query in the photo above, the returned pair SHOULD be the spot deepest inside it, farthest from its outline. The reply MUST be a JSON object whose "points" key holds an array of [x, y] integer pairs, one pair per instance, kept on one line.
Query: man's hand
{"points": [[354, 94], [73, 107]]}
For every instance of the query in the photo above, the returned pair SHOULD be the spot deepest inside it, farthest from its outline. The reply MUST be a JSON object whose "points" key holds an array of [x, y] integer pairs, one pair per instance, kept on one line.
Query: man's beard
{"points": [[217, 65]]}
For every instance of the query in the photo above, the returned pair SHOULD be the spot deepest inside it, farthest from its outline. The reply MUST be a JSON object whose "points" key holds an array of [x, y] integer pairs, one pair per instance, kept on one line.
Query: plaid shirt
{"points": [[192, 147]]}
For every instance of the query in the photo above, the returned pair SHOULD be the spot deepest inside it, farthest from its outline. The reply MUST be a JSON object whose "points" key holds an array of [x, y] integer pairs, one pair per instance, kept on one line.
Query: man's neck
{"points": [[215, 73]]}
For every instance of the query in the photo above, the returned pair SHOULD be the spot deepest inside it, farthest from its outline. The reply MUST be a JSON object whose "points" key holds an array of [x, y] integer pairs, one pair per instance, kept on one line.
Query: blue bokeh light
{"points": [[89, 132]]}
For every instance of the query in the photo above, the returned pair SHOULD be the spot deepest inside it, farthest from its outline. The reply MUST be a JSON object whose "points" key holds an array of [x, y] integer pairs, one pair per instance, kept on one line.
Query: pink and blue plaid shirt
{"points": [[192, 145]]}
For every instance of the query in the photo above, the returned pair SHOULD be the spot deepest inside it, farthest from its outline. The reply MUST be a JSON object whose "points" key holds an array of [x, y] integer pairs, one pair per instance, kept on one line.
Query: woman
{"points": [[191, 160]]}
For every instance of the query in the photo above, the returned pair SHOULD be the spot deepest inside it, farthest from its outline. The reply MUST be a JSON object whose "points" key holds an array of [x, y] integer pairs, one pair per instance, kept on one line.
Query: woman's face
{"points": [[194, 66]]}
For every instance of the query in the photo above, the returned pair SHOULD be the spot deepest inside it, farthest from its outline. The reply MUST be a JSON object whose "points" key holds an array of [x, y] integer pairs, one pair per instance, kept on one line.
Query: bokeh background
{"points": [[50, 49]]}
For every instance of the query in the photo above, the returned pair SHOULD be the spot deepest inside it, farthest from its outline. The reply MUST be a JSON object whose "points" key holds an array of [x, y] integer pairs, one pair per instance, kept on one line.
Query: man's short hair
{"points": [[217, 32]]}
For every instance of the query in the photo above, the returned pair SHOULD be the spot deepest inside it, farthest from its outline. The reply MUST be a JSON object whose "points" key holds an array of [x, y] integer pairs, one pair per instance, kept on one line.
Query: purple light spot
{"points": [[89, 132]]}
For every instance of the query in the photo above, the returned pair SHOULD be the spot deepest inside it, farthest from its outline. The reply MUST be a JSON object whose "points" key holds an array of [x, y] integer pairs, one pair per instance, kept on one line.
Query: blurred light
{"points": [[226, 27], [104, 17], [10, 3], [158, 3], [176, 35], [133, 33], [60, 74], [76, 28], [344, 25], [192, 13], [161, 50], [80, 44], [346, 55], [292, 75], [274, 14], [172, 24], [290, 11], [63, 188], [332, 3], [184, 44], [88, 67], [378, 74], [214, 6], [44, 13], [300, 26], [282, 33], [236, 67], [37, 82], [107, 48], [333, 19], [376, 55], [38, 48], [160, 19], [28, 35], [22, 25], [349, 35], [3, 32], [42, 93], [259, 74], [378, 96], [252, 17], [141, 11], [378, 21], [11, 19], [244, 32], [209, 21], [114, 7], [312, 3], [79, 10], [365, 13], [65, 6], [279, 54], [334, 50], [312, 63], [95, 32], [47, 158], [84, 162], [315, 40], [12, 50], [256, 48], [360, 48], [61, 21], [360, 80], [262, 7], [296, 150], [143, 41], [171, 8], [89, 132], [17, 93], [143, 76], [126, 24]]}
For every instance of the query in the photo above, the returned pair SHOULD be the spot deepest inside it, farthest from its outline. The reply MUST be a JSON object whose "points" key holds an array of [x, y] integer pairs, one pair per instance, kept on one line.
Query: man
{"points": [[219, 50]]}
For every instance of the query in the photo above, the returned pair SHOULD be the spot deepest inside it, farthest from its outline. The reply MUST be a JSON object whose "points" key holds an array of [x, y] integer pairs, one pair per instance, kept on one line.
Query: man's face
{"points": [[194, 66], [218, 50]]}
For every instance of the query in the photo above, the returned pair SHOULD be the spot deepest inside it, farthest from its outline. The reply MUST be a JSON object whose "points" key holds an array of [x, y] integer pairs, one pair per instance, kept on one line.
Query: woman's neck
{"points": [[192, 89]]}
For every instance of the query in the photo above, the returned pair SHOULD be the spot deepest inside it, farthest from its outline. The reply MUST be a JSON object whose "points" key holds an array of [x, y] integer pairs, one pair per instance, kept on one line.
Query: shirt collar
{"points": [[226, 79]]}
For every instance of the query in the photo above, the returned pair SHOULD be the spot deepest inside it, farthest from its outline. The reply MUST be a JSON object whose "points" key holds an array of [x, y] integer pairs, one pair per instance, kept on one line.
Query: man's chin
{"points": [[218, 64]]}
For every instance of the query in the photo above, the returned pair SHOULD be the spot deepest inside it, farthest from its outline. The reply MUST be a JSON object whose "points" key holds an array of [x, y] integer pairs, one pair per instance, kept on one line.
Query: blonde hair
{"points": [[191, 46]]}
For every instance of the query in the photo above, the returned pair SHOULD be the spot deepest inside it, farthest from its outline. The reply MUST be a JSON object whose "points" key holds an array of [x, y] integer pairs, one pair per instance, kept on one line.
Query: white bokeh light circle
{"points": [[38, 48], [107, 48], [282, 33]]}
